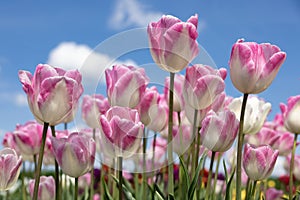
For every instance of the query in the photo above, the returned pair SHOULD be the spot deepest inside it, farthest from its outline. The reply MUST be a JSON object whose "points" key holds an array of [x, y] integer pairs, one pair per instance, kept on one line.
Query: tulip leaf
{"points": [[128, 195], [228, 182], [194, 182], [186, 175], [158, 192], [107, 196]]}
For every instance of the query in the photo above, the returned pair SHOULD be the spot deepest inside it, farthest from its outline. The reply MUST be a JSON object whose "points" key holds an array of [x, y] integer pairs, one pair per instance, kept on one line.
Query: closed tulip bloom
{"points": [[125, 85], [254, 66], [173, 43], [92, 107], [182, 138], [75, 154], [264, 136], [259, 161], [52, 92], [215, 106], [287, 163], [121, 133], [153, 110], [202, 85], [274, 194], [255, 114], [46, 189], [178, 101], [219, 130], [28, 138], [291, 114], [284, 143], [10, 165]]}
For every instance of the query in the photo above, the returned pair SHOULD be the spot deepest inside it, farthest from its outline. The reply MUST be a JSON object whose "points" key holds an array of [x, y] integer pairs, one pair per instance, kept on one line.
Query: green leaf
{"points": [[228, 186], [186, 174], [107, 196], [128, 195], [225, 170], [194, 182], [158, 192]]}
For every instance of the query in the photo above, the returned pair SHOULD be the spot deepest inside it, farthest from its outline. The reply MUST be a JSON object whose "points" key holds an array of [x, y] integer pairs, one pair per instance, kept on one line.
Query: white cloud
{"points": [[70, 55], [132, 13], [21, 99]]}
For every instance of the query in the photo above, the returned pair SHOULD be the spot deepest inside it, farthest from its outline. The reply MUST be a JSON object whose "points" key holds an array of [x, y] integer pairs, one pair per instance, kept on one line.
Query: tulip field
{"points": [[190, 141]]}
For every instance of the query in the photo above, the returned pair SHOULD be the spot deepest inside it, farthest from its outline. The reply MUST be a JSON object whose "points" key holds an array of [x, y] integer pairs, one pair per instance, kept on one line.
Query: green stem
{"points": [[207, 193], [144, 182], [120, 169], [153, 156], [194, 157], [76, 189], [239, 150], [197, 146], [216, 174], [92, 171], [40, 161], [252, 196], [170, 138], [292, 167], [57, 186], [24, 194]]}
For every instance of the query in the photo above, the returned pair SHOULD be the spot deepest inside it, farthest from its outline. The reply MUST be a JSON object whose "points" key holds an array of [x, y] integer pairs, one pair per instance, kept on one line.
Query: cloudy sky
{"points": [[93, 35]]}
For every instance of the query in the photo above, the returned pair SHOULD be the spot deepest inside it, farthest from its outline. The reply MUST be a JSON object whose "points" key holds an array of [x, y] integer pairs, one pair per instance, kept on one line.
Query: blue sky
{"points": [[31, 32]]}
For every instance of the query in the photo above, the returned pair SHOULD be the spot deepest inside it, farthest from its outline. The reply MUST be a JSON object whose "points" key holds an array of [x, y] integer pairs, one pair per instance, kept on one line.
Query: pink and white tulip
{"points": [[10, 165], [255, 114], [259, 161], [153, 110], [28, 138], [121, 132], [173, 43], [92, 107], [52, 92], [219, 130], [75, 154], [284, 143], [291, 114], [178, 100], [296, 170], [202, 85], [46, 189], [254, 66], [264, 136], [125, 85]]}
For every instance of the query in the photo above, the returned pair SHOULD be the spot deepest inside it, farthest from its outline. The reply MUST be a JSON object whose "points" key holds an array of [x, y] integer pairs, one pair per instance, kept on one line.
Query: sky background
{"points": [[65, 32]]}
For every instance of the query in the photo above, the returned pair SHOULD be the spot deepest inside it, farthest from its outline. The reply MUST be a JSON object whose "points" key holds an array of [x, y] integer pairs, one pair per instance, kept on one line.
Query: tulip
{"points": [[92, 107], [121, 132], [273, 194], [173, 43], [125, 85], [10, 165], [52, 93], [28, 138], [202, 85], [182, 138], [291, 114], [75, 154], [254, 66], [255, 113], [259, 161], [9, 142], [296, 169], [46, 188], [215, 106], [153, 110], [264, 136], [178, 101], [284, 143], [219, 130]]}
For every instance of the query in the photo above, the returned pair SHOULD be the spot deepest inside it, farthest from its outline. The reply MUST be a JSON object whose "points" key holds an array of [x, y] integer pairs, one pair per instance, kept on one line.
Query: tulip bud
{"points": [[291, 114], [46, 189]]}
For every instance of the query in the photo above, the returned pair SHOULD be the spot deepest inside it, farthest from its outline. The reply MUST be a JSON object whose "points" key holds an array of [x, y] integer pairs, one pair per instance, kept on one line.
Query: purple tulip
{"points": [[125, 85], [219, 130], [52, 93], [254, 66], [121, 132], [10, 165], [259, 161], [173, 43], [92, 107], [75, 154], [46, 189], [291, 114], [28, 138], [153, 110], [274, 194], [202, 85], [178, 101]]}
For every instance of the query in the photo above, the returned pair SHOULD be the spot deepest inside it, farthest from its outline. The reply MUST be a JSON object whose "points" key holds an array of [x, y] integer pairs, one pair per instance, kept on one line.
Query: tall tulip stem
{"points": [[292, 167], [76, 189], [40, 161], [208, 188], [57, 188], [240, 148], [170, 138], [194, 153], [92, 171], [120, 169]]}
